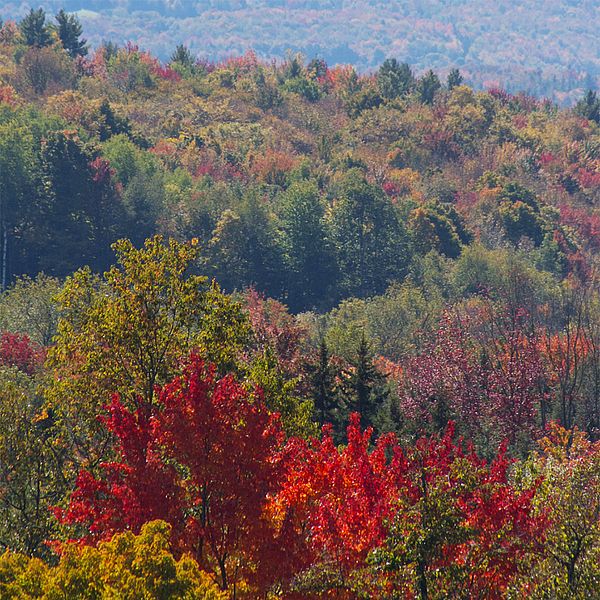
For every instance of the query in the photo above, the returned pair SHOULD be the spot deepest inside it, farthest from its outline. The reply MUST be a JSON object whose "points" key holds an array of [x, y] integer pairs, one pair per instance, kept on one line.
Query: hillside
{"points": [[289, 330], [548, 49]]}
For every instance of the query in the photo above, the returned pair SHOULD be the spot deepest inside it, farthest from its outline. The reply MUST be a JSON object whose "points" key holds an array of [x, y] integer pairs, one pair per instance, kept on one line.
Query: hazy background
{"points": [[547, 48]]}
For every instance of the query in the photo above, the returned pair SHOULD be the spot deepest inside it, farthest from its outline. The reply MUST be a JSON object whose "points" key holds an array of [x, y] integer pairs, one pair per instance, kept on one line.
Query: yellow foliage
{"points": [[129, 567]]}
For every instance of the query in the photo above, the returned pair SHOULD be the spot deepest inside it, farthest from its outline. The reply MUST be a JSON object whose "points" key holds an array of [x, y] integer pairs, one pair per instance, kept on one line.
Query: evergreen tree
{"points": [[182, 56], [394, 79], [110, 124], [34, 30], [365, 388], [69, 32], [454, 79], [427, 87], [589, 107], [322, 383]]}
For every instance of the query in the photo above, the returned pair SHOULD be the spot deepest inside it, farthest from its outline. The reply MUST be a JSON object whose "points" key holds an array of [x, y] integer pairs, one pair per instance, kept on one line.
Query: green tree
{"points": [[129, 567], [34, 30], [28, 307], [370, 240], [129, 331], [31, 477], [69, 32], [244, 249], [79, 214], [321, 377], [428, 86], [182, 56], [308, 253], [394, 79], [364, 387], [589, 107], [17, 190], [454, 79]]}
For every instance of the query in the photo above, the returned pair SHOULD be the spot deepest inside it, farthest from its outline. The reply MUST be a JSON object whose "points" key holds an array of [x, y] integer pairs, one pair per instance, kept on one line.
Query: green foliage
{"points": [[31, 478], [34, 30], [308, 252], [29, 307], [128, 332], [69, 32], [369, 236], [589, 107], [394, 79], [428, 86], [454, 79]]}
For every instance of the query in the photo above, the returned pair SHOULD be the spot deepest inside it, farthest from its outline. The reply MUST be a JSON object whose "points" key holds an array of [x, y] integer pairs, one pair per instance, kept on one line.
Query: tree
{"points": [[28, 307], [589, 107], [45, 71], [308, 253], [204, 459], [129, 567], [370, 239], [17, 168], [79, 213], [428, 86], [128, 332], [244, 249], [428, 521], [338, 501], [569, 565], [394, 79], [34, 30], [364, 387], [322, 384], [31, 466], [461, 529], [454, 79], [69, 32], [183, 56]]}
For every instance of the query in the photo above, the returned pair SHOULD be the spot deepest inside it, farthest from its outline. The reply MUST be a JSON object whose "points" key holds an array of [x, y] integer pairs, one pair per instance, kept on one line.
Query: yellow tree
{"points": [[128, 331]]}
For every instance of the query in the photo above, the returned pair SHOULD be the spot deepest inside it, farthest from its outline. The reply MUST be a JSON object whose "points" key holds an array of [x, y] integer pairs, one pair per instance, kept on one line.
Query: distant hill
{"points": [[548, 48]]}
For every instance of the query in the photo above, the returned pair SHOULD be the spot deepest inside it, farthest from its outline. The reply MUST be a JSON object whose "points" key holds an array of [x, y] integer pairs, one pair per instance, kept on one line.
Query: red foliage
{"points": [[204, 459], [345, 500], [20, 351], [274, 327], [8, 95], [340, 499], [501, 392], [101, 170]]}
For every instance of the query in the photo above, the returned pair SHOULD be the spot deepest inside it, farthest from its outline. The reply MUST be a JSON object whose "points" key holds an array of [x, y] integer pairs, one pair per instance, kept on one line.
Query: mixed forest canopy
{"points": [[546, 49], [285, 330]]}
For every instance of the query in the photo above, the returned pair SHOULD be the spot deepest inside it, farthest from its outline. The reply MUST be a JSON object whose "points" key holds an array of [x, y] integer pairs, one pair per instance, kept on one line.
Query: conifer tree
{"points": [[69, 32], [34, 30], [364, 386], [454, 79], [322, 381]]}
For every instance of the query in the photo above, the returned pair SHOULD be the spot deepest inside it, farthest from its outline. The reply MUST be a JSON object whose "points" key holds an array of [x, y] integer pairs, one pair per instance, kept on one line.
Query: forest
{"points": [[285, 330], [547, 49]]}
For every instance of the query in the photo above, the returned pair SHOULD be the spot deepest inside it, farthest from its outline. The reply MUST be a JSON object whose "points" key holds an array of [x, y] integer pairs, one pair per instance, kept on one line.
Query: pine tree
{"points": [[427, 87], [365, 387], [454, 79], [182, 56], [322, 382], [34, 30], [69, 32], [589, 107], [394, 79]]}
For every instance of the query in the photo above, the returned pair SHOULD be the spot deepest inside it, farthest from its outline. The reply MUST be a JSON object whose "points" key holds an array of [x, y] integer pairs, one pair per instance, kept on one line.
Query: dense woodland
{"points": [[280, 330]]}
